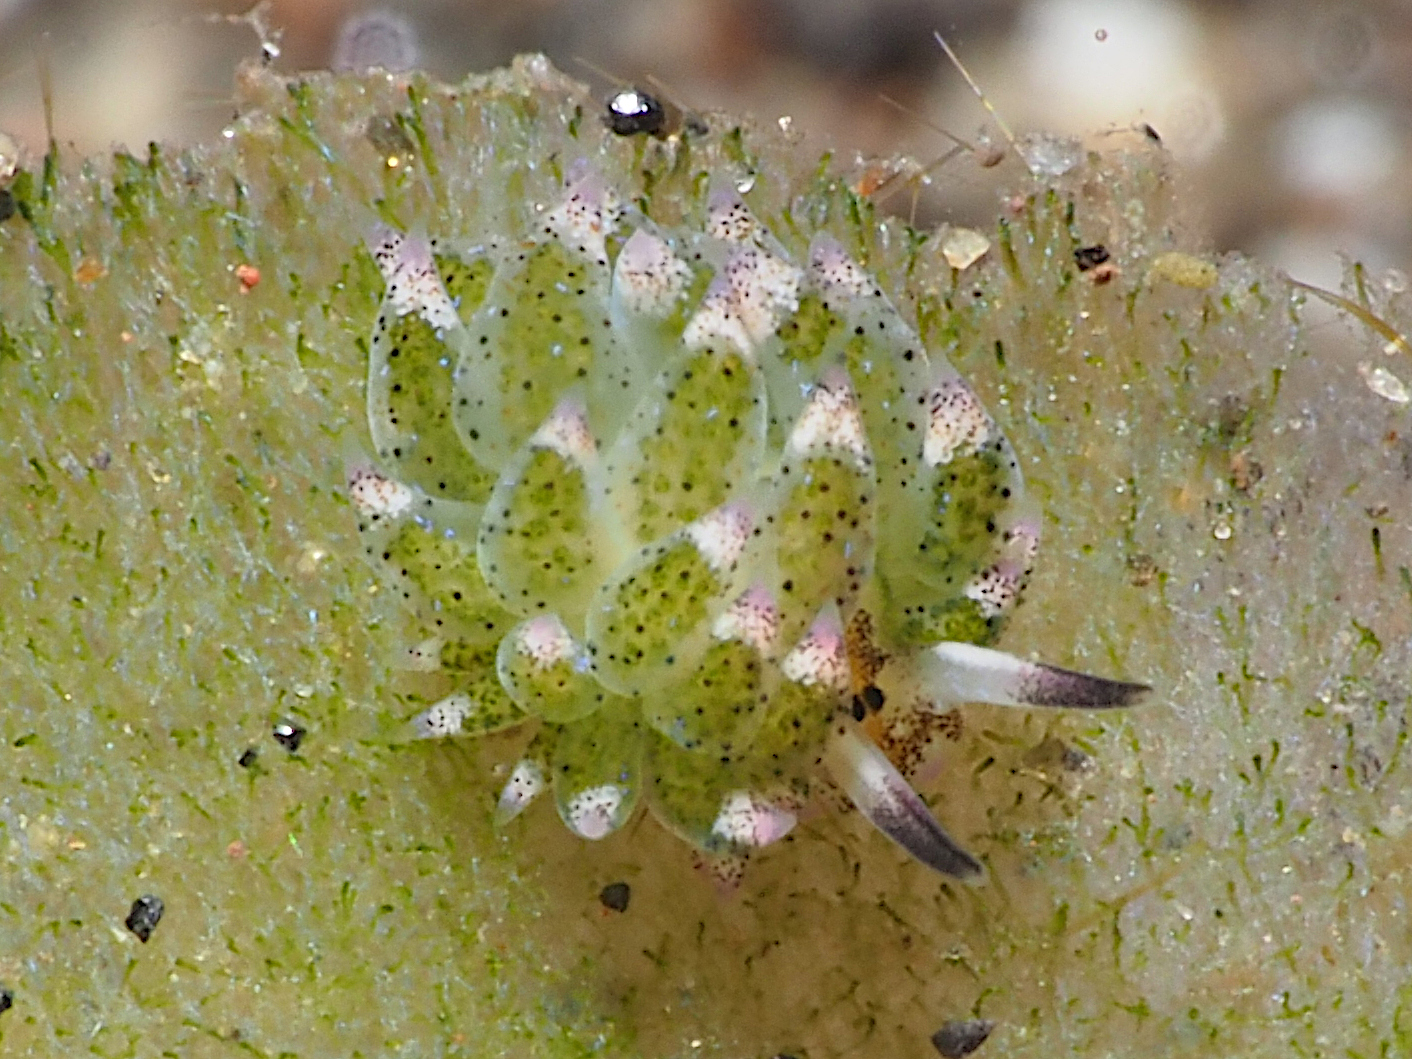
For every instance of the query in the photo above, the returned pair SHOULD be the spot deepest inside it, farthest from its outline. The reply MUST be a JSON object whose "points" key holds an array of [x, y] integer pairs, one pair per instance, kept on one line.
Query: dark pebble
{"points": [[289, 735], [7, 1000], [961, 1037], [616, 896], [146, 913], [248, 758], [1087, 257]]}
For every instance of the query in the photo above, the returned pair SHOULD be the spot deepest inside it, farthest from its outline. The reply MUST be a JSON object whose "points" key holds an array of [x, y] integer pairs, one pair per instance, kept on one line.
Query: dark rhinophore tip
{"points": [[1047, 685], [960, 1037], [884, 796], [963, 672], [143, 917]]}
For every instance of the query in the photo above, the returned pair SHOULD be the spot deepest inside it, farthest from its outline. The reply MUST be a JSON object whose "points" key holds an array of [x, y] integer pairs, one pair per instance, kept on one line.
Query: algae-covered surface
{"points": [[1217, 872]]}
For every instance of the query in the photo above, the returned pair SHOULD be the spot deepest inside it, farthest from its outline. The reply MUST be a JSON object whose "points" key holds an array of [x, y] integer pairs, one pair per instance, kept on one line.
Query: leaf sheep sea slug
{"points": [[696, 504]]}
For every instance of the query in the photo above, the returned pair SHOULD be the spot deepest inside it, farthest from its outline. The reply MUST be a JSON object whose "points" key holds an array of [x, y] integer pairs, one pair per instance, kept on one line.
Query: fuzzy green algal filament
{"points": [[708, 504]]}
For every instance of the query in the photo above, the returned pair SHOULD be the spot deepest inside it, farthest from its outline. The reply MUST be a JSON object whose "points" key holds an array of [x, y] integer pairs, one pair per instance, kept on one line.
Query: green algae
{"points": [[1218, 873]]}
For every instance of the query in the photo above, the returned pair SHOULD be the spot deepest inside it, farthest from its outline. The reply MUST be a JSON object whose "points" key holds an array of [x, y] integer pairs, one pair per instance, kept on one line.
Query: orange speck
{"points": [[236, 850], [248, 275], [873, 178], [89, 269]]}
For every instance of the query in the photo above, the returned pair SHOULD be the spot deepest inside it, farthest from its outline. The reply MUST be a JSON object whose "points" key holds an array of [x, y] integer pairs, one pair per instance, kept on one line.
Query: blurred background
{"points": [[1291, 117]]}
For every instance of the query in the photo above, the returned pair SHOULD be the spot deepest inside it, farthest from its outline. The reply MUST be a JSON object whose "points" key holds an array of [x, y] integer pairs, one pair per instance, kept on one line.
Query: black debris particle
{"points": [[633, 112], [873, 698], [7, 999], [961, 1037], [145, 914], [616, 896], [1151, 133], [249, 757], [1087, 257], [289, 735]]}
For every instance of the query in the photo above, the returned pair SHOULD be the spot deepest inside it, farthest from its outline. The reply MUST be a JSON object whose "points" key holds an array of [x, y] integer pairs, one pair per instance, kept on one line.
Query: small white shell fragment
{"points": [[963, 247], [1384, 383]]}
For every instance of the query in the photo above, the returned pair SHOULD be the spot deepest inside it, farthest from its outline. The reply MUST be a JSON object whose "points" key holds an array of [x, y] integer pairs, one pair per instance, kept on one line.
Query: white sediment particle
{"points": [[832, 420], [963, 247], [957, 423], [526, 783], [821, 658], [376, 495], [833, 272], [995, 588], [1385, 384], [745, 302], [443, 718], [545, 641], [753, 619], [593, 813], [748, 819], [647, 277], [566, 432], [587, 216], [721, 535]]}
